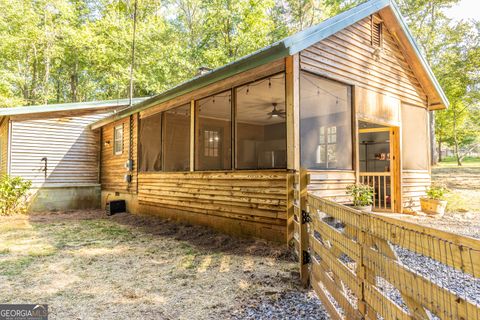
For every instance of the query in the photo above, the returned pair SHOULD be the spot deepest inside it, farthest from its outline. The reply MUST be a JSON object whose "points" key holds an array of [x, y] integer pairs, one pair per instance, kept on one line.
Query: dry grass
{"points": [[88, 266], [463, 209]]}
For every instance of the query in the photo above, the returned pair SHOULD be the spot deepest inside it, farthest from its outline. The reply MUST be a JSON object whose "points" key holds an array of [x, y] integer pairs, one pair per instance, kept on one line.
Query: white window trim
{"points": [[115, 152]]}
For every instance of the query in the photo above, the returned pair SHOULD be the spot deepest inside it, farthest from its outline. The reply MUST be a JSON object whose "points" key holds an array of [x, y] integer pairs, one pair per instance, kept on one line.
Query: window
{"points": [[150, 143], [210, 143], [325, 123], [377, 36], [214, 132], [327, 147], [260, 124], [176, 144], [118, 140]]}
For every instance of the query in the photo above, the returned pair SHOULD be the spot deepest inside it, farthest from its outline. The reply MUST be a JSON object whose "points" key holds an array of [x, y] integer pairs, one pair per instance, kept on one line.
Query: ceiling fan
{"points": [[276, 113]]}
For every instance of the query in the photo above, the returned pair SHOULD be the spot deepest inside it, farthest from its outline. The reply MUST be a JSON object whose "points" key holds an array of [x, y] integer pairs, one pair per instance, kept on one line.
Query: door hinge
{"points": [[306, 217], [306, 259]]}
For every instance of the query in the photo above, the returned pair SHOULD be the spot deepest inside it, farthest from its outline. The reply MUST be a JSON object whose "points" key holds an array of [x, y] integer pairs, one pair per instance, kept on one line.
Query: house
{"points": [[347, 99], [53, 146]]}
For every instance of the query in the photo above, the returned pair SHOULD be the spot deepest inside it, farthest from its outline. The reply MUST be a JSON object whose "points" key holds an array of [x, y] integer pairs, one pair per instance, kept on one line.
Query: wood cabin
{"points": [[53, 146], [347, 99]]}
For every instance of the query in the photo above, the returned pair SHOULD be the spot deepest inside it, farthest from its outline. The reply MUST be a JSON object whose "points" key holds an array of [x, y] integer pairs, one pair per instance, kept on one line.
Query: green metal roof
{"points": [[15, 111], [286, 47]]}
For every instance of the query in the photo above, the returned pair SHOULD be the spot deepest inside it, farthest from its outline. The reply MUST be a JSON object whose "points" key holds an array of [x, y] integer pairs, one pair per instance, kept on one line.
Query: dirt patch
{"points": [[86, 265]]}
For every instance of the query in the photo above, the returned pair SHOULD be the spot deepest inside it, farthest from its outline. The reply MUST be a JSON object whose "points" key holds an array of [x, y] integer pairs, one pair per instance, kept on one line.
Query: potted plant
{"points": [[362, 195], [435, 202]]}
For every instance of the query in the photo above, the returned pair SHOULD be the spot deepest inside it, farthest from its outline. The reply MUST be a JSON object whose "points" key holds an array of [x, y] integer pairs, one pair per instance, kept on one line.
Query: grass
{"points": [[87, 266], [452, 162], [463, 183]]}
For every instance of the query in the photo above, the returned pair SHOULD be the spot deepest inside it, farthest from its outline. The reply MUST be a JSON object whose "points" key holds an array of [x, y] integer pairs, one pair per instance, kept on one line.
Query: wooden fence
{"points": [[371, 266]]}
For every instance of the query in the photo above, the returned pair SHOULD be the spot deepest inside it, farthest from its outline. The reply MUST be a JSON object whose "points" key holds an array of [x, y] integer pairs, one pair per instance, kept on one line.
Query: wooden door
{"points": [[379, 165]]}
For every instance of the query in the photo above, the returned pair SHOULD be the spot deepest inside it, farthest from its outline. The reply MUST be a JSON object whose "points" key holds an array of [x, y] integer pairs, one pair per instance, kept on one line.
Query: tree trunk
{"points": [[455, 140], [74, 82], [439, 149], [433, 150]]}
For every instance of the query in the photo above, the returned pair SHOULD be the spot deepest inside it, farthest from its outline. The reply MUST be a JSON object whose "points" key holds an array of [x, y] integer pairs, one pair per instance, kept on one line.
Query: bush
{"points": [[13, 194], [362, 194], [437, 192]]}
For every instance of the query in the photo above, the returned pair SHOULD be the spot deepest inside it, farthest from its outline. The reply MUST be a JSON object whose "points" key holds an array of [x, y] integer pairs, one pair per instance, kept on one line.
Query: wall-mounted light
{"points": [[107, 143]]}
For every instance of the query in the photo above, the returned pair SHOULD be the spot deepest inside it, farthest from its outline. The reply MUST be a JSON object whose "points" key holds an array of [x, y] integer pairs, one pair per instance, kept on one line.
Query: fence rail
{"points": [[366, 266]]}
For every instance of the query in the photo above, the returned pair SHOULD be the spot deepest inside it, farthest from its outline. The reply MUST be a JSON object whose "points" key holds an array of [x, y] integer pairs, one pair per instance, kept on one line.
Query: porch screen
{"points": [[260, 123], [325, 123], [150, 143], [214, 132], [176, 128], [415, 144]]}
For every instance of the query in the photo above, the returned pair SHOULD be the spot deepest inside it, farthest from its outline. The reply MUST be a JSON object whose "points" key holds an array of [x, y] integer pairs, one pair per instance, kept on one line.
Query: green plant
{"points": [[13, 194], [362, 194], [436, 192]]}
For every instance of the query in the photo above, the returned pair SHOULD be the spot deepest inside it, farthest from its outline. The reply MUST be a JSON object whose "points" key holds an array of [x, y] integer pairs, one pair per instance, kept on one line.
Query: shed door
{"points": [[379, 164]]}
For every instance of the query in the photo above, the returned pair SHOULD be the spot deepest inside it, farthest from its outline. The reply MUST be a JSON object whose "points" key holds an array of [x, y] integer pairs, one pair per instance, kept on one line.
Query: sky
{"points": [[465, 9]]}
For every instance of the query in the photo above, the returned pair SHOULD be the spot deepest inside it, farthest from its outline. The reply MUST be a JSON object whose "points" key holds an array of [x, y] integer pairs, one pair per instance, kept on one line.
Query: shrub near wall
{"points": [[13, 195]]}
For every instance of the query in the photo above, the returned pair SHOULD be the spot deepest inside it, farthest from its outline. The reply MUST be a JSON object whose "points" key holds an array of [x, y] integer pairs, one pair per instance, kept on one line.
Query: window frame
{"points": [[353, 120], [115, 133], [164, 136], [235, 112], [232, 131]]}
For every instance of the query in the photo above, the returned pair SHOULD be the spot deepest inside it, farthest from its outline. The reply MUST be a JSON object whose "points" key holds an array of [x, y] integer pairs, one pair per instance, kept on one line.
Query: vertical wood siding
{"points": [[348, 56], [113, 169], [68, 143], [4, 146]]}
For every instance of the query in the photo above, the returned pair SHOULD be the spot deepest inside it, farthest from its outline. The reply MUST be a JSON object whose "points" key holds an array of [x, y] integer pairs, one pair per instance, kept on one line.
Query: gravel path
{"points": [[461, 284], [286, 305]]}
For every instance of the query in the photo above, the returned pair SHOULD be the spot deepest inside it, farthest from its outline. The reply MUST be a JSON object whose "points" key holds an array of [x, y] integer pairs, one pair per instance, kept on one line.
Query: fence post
{"points": [[304, 254], [362, 272]]}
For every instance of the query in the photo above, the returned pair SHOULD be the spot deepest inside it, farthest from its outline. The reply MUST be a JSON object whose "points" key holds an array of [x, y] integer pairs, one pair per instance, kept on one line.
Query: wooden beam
{"points": [[192, 135]]}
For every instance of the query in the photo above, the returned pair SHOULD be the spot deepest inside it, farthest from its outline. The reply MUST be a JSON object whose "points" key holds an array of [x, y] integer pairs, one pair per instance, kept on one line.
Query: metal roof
{"points": [[15, 111], [283, 48]]}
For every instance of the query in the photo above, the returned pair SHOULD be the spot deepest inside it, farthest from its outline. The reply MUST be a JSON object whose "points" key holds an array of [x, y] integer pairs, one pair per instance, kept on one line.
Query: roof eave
{"points": [[441, 94], [312, 35]]}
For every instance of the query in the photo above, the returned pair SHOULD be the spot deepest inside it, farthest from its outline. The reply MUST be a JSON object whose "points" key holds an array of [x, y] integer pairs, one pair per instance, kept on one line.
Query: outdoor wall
{"points": [[348, 56], [244, 203], [112, 168], [71, 150], [415, 155], [3, 145], [383, 83]]}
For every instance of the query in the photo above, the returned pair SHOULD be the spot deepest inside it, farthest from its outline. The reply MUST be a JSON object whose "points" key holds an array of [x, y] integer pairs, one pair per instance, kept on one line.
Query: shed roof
{"points": [[62, 107], [302, 40]]}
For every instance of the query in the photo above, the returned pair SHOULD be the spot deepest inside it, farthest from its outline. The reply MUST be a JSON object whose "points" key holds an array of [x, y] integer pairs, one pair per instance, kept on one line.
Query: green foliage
{"points": [[436, 192], [13, 195], [362, 194], [452, 49]]}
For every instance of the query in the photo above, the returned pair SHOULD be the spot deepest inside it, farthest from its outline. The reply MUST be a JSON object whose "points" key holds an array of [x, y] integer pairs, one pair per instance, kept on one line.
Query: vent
{"points": [[376, 34]]}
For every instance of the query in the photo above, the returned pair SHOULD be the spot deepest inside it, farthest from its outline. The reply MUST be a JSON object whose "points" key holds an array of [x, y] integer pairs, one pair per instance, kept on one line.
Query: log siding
{"points": [[253, 198], [112, 166]]}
